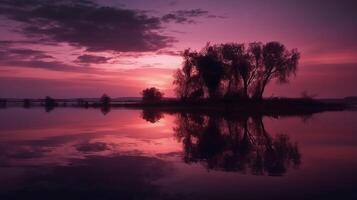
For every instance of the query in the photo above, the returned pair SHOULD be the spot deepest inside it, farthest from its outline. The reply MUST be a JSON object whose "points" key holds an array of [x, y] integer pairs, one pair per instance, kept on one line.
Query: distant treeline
{"points": [[50, 103]]}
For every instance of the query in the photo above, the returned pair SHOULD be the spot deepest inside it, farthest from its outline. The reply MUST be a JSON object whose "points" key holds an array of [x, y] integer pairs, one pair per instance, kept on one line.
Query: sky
{"points": [[84, 48]]}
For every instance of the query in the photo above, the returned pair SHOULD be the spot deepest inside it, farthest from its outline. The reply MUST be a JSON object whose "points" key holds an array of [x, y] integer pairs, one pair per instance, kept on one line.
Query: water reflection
{"points": [[231, 143], [105, 109], [151, 154], [151, 115], [95, 177], [235, 144]]}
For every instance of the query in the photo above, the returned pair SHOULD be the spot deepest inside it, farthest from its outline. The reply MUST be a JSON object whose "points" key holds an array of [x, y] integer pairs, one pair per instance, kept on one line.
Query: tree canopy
{"points": [[152, 95]]}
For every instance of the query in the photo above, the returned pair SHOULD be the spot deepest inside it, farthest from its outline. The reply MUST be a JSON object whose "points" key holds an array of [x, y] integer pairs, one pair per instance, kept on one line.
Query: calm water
{"points": [[130, 154]]}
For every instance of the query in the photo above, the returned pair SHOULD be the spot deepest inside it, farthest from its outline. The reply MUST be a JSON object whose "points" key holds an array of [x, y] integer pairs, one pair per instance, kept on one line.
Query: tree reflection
{"points": [[239, 144], [105, 109], [151, 115]]}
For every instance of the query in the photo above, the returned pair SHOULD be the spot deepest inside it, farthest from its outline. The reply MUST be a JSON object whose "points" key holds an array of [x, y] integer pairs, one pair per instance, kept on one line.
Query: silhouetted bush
{"points": [[27, 103], [3, 102], [152, 95], [80, 102], [50, 103], [105, 100]]}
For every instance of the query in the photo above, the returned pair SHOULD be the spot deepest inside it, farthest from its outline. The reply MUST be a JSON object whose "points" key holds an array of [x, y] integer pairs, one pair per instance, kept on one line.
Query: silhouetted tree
{"points": [[239, 68], [277, 62], [187, 82], [230, 53], [201, 70], [3, 102], [152, 95], [105, 100], [50, 103], [83, 103], [210, 70], [27, 103]]}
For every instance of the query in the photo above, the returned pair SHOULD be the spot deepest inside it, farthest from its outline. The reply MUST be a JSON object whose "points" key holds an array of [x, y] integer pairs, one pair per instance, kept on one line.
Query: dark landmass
{"points": [[272, 107], [269, 106], [350, 100]]}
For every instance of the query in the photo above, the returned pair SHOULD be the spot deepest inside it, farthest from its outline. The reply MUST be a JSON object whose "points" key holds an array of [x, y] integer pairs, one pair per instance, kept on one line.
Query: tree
{"points": [[152, 95], [240, 70], [210, 69], [105, 100], [3, 102], [230, 54], [187, 82], [201, 71], [50, 103], [277, 62], [27, 103]]}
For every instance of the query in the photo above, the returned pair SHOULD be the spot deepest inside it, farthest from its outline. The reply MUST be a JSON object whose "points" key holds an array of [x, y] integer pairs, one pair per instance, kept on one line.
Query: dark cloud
{"points": [[217, 16], [88, 59], [86, 24], [48, 65], [29, 153], [173, 2], [169, 52], [7, 53], [28, 58], [92, 147], [21, 152], [185, 16]]}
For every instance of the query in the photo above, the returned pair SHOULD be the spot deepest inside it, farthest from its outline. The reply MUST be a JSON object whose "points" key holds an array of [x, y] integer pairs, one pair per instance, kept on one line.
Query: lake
{"points": [[74, 153]]}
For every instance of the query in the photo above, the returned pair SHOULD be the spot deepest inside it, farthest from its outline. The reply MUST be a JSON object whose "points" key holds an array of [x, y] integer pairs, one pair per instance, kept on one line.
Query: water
{"points": [[73, 153]]}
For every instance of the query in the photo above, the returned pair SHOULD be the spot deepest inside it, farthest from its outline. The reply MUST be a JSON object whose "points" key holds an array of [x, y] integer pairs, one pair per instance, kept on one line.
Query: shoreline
{"points": [[270, 107]]}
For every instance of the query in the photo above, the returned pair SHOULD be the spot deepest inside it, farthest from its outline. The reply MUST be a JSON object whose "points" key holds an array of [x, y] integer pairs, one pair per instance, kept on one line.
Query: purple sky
{"points": [[87, 48]]}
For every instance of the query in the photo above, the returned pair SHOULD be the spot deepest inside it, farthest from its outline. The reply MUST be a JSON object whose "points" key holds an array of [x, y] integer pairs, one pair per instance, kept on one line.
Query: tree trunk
{"points": [[262, 91], [265, 81], [245, 89]]}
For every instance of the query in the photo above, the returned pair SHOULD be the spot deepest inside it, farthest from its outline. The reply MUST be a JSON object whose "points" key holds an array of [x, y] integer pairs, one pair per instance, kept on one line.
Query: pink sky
{"points": [[86, 49]]}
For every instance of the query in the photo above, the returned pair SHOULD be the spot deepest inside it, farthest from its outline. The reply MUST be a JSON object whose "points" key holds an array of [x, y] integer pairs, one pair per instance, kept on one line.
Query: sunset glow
{"points": [[121, 47]]}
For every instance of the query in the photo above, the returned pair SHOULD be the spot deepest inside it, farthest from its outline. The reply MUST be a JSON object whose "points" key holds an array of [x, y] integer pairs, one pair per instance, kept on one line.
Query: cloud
{"points": [[21, 53], [127, 34], [169, 52], [48, 65], [29, 58], [92, 147], [184, 16], [11, 56], [173, 2], [29, 153], [86, 24], [89, 59]]}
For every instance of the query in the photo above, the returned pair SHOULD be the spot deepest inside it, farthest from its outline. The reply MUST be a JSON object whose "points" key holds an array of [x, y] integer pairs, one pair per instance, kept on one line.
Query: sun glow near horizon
{"points": [[139, 46]]}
